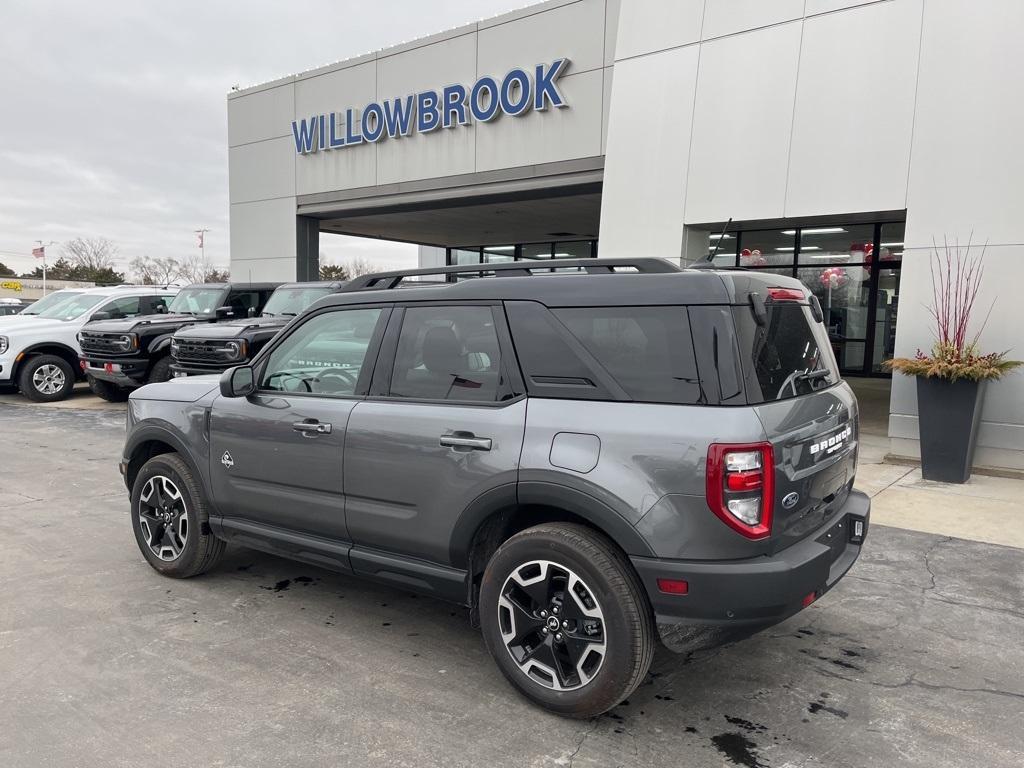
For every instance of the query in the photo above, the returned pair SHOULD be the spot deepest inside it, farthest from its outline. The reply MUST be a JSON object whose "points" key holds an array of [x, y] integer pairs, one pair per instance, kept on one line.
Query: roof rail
{"points": [[388, 280]]}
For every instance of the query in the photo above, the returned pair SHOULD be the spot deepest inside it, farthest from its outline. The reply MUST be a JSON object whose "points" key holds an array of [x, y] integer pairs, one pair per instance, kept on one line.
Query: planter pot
{"points": [[948, 415]]}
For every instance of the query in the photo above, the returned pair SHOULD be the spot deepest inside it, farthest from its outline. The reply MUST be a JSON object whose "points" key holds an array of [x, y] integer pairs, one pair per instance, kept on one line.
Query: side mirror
{"points": [[161, 309], [238, 381], [252, 312], [100, 316], [224, 312]]}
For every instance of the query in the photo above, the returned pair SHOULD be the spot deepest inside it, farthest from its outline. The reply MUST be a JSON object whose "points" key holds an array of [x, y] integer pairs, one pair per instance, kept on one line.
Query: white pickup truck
{"points": [[39, 347]]}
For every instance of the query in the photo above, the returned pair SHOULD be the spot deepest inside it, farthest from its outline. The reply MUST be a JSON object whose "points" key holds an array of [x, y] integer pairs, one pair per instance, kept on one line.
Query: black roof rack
{"points": [[387, 280]]}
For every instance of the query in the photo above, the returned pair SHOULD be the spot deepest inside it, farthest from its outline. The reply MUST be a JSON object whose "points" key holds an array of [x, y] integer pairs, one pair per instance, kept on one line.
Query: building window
{"points": [[853, 269]]}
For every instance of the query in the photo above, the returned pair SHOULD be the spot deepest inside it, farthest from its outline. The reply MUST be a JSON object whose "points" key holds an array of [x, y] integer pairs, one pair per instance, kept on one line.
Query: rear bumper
{"points": [[128, 372], [728, 601]]}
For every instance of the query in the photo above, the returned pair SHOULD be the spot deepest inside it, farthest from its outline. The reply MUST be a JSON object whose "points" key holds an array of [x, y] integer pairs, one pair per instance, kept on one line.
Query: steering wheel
{"points": [[334, 380]]}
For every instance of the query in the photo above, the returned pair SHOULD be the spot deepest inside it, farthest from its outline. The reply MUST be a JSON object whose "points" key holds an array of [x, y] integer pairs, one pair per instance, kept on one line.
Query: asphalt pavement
{"points": [[915, 659]]}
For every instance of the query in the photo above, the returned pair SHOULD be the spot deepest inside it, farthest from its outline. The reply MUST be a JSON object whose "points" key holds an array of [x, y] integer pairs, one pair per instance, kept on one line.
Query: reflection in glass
{"points": [[885, 317], [767, 248], [578, 249], [535, 251], [891, 247], [849, 244], [499, 254]]}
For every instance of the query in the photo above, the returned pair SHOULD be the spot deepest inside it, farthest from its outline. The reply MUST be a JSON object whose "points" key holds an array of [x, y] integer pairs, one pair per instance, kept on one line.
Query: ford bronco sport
{"points": [[204, 348], [589, 461], [121, 355]]}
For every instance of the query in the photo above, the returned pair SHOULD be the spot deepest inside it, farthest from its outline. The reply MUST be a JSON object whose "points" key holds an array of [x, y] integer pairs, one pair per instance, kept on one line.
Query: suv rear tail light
{"points": [[740, 486]]}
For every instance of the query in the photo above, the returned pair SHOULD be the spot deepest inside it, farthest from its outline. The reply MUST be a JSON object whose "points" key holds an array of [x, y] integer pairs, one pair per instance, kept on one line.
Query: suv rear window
{"points": [[788, 356], [647, 350]]}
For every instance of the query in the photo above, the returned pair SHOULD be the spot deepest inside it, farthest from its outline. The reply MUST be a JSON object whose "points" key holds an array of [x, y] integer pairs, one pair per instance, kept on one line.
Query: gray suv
{"points": [[591, 458]]}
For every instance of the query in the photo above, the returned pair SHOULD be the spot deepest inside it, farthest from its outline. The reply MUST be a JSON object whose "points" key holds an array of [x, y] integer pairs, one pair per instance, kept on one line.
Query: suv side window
{"points": [[448, 353], [324, 356], [242, 301], [125, 306]]}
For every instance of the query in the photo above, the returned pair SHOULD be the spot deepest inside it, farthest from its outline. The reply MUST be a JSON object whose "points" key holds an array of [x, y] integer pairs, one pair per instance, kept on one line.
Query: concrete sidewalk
{"points": [[988, 509]]}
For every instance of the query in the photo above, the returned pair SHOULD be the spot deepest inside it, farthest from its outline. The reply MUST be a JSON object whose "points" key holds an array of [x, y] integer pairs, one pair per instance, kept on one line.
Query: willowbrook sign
{"points": [[517, 93]]}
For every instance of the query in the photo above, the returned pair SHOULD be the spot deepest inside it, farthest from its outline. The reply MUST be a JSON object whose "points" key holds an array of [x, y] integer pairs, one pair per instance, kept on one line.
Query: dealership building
{"points": [[831, 140]]}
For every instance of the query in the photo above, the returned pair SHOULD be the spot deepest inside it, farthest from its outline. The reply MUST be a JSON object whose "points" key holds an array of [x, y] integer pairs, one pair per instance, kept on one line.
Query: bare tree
{"points": [[196, 268], [155, 270], [90, 254], [359, 265]]}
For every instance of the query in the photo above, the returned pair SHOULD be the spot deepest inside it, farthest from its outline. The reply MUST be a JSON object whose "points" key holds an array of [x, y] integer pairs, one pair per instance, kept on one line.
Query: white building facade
{"points": [[836, 138]]}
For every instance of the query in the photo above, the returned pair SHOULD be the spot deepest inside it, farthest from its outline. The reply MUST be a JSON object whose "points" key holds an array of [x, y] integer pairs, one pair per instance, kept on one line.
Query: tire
{"points": [[172, 550], [108, 390], [161, 370], [589, 672], [46, 379]]}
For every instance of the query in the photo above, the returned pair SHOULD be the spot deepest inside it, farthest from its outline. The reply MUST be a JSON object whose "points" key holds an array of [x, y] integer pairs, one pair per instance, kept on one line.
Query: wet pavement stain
{"points": [[820, 706], [738, 749], [280, 586], [746, 725]]}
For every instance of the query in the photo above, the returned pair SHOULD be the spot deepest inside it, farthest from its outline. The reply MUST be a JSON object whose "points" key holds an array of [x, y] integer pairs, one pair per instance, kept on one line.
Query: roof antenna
{"points": [[721, 237]]}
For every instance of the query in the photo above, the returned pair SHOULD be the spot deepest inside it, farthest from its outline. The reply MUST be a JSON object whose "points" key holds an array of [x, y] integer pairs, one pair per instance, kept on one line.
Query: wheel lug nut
{"points": [[545, 630], [543, 614], [558, 637], [565, 623], [555, 609]]}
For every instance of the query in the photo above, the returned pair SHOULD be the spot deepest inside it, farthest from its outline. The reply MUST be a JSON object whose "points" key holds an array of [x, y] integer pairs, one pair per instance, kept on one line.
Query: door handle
{"points": [[466, 441], [312, 428]]}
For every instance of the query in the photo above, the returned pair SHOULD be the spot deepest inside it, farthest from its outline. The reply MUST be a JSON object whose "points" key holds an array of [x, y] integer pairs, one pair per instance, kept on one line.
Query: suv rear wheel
{"points": [[46, 378], [108, 390], [566, 619], [170, 519]]}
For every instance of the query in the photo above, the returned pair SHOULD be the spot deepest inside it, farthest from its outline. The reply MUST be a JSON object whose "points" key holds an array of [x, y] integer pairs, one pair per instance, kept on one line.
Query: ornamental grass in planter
{"points": [[951, 380]]}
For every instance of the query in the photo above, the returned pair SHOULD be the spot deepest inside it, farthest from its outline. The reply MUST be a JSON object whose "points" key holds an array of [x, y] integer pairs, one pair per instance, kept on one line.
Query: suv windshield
{"points": [[197, 301], [74, 307], [788, 356], [291, 301], [48, 302]]}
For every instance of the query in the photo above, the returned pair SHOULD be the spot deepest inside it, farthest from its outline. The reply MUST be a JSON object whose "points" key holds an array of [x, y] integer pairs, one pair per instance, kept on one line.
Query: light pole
{"points": [[201, 233], [42, 250]]}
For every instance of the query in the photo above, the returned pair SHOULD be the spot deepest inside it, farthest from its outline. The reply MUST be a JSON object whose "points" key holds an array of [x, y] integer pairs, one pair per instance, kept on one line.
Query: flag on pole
{"points": [[199, 234], [40, 252]]}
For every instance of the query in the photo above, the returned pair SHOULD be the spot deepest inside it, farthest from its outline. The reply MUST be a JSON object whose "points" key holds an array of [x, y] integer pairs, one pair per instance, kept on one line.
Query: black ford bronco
{"points": [[121, 355], [205, 348], [591, 460]]}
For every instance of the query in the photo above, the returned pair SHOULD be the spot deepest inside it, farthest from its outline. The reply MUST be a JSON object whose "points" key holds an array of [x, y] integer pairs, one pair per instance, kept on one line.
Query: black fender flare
{"points": [[146, 433], [160, 343], [550, 494]]}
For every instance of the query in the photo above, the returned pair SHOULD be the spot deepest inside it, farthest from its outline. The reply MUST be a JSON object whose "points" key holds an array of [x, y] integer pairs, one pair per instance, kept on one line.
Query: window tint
{"points": [[324, 356], [647, 350], [126, 306], [241, 302], [448, 353], [788, 356]]}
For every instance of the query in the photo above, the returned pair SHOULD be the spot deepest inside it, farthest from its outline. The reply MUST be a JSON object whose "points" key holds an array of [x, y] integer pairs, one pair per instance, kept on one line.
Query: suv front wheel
{"points": [[46, 378], [566, 619], [170, 519]]}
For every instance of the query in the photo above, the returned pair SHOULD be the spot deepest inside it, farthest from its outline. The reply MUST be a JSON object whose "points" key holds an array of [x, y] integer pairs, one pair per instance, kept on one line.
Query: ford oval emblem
{"points": [[790, 499]]}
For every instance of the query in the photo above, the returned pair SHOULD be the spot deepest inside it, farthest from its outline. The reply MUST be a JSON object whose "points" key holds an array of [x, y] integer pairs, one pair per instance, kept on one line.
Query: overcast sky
{"points": [[113, 116]]}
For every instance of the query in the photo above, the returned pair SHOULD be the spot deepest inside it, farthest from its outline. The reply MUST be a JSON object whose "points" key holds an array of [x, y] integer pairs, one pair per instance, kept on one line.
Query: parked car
{"points": [[10, 306], [39, 350], [203, 349], [35, 308], [589, 461], [121, 355]]}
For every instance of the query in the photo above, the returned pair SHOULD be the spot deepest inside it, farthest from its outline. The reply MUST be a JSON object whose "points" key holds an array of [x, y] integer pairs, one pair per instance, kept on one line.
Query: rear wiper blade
{"points": [[795, 376]]}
